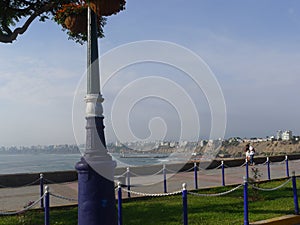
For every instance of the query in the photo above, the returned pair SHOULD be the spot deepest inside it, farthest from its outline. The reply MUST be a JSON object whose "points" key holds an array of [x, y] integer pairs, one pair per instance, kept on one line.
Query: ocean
{"points": [[37, 162], [45, 162]]}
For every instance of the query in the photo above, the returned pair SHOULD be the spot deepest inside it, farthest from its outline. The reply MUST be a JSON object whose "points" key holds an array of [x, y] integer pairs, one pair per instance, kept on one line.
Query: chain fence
{"points": [[270, 189], [151, 194], [24, 209], [63, 197], [164, 170], [215, 194], [25, 185]]}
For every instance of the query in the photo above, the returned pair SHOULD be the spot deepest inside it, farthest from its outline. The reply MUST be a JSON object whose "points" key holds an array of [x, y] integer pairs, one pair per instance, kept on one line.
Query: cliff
{"points": [[265, 148]]}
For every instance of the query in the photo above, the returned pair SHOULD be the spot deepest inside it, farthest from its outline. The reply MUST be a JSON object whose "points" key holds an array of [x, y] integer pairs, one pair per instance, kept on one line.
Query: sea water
{"points": [[46, 162], [35, 163]]}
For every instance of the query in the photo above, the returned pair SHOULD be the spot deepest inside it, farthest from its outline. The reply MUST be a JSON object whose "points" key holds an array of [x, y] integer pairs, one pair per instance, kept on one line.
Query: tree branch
{"points": [[11, 36]]}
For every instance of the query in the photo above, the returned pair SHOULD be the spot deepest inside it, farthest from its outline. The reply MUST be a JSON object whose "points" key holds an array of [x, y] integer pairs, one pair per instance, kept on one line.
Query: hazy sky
{"points": [[252, 48]]}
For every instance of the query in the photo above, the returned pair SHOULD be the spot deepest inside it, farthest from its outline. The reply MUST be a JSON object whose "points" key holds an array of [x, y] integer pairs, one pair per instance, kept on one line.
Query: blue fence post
{"points": [[165, 178], [246, 217], [268, 168], [223, 173], [120, 216], [295, 194], [47, 206], [195, 175], [184, 204], [128, 182], [42, 189], [199, 169], [247, 169], [287, 166]]}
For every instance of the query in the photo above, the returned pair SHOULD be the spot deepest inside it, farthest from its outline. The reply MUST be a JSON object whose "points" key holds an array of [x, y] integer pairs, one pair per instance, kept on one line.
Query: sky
{"points": [[250, 49]]}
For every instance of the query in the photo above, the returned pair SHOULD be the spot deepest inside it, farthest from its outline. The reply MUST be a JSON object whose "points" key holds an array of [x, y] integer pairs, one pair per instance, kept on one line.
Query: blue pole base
{"points": [[96, 194]]}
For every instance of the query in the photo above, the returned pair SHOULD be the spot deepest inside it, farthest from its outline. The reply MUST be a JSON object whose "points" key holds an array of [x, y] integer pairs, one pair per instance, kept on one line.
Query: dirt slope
{"points": [[266, 148]]}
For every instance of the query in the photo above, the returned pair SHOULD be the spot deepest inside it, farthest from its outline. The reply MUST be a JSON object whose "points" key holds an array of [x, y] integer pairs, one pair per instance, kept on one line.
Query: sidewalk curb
{"points": [[282, 220]]}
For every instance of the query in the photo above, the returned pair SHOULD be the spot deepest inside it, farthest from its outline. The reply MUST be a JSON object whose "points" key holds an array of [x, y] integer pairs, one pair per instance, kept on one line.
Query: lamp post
{"points": [[96, 194]]}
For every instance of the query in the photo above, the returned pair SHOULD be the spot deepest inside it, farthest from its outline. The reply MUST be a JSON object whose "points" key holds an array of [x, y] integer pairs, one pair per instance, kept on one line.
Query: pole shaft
{"points": [[128, 182], [93, 73], [247, 170], [246, 218], [223, 174], [165, 179], [120, 216], [287, 167], [184, 204], [47, 209], [96, 191], [268, 168], [195, 176], [295, 195], [42, 189]]}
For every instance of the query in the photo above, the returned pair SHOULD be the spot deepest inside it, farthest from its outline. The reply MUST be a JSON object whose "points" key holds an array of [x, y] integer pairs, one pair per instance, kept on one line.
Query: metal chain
{"points": [[243, 164], [171, 171], [121, 174], [25, 209], [188, 170], [139, 175], [218, 167], [265, 163], [25, 185], [63, 197], [200, 168], [151, 195], [158, 172], [57, 183], [216, 194], [282, 162], [271, 189]]}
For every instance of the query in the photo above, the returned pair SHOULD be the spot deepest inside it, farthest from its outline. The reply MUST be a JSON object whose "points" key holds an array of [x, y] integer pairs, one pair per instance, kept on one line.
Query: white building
{"points": [[286, 135]]}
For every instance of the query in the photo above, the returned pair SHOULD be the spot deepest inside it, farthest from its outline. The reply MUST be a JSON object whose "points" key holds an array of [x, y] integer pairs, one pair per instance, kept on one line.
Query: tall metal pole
{"points": [[184, 204], [246, 212], [96, 194]]}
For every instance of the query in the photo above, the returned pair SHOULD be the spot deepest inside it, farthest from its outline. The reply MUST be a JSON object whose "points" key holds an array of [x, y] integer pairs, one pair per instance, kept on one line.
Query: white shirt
{"points": [[251, 150], [247, 153]]}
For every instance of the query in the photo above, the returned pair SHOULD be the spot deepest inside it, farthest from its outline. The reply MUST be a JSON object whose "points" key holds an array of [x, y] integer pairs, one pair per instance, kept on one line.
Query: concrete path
{"points": [[14, 199]]}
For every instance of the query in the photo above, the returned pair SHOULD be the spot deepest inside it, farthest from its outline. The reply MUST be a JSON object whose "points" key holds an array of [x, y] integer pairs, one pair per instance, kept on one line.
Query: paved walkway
{"points": [[14, 199]]}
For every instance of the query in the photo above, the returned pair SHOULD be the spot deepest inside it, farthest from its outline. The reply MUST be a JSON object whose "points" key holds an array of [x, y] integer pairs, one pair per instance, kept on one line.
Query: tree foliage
{"points": [[17, 15]]}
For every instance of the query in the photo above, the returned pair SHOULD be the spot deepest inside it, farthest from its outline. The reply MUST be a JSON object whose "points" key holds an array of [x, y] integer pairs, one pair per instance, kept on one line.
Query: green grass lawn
{"points": [[223, 210]]}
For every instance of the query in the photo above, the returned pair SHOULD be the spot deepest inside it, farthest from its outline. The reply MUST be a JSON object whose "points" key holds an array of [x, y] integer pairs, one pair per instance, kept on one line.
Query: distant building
{"points": [[202, 143], [279, 135], [284, 135], [172, 144], [271, 138], [287, 135], [183, 143]]}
